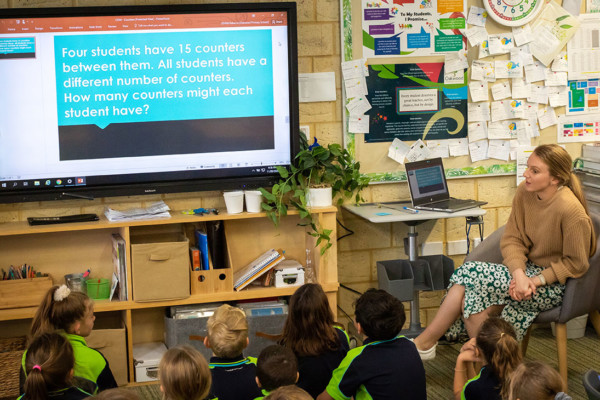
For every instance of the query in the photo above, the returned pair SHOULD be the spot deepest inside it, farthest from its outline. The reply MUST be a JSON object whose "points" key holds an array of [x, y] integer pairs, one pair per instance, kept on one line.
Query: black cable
{"points": [[350, 289], [350, 231]]}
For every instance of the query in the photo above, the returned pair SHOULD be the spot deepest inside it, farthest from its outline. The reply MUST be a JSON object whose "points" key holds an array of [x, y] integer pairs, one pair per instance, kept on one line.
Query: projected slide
{"points": [[133, 94]]}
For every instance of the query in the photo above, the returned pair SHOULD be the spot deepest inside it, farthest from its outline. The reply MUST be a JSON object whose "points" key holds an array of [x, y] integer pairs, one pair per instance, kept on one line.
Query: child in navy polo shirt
{"points": [[233, 375], [276, 367], [387, 366]]}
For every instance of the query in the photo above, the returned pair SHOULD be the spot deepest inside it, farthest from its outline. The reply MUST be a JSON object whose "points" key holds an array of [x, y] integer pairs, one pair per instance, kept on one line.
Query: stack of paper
{"points": [[154, 211]]}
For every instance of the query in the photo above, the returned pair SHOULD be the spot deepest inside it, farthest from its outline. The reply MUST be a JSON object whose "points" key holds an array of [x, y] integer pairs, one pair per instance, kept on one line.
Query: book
{"points": [[202, 243], [195, 259], [216, 243], [120, 265], [263, 263]]}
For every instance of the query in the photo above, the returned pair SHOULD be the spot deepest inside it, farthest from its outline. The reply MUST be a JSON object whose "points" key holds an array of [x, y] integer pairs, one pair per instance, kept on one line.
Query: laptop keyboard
{"points": [[450, 203]]}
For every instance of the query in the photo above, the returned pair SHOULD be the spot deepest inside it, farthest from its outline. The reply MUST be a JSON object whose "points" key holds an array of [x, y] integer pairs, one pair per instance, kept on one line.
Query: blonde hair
{"points": [[290, 392], [227, 331], [55, 314], [533, 380], [560, 166], [184, 374]]}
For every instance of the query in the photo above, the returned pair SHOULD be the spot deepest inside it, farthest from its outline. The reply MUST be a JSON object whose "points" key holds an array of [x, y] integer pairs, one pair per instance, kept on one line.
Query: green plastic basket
{"points": [[98, 288]]}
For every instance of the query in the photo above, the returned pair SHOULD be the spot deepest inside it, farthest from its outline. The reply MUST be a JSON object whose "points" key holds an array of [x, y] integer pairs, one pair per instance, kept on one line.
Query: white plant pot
{"points": [[319, 197]]}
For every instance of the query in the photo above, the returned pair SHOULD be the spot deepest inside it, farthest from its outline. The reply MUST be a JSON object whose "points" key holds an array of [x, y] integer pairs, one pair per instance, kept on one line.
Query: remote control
{"points": [[63, 219]]}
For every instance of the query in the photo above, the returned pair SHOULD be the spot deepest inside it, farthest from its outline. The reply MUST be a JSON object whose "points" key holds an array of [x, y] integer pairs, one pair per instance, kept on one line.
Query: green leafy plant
{"points": [[314, 166]]}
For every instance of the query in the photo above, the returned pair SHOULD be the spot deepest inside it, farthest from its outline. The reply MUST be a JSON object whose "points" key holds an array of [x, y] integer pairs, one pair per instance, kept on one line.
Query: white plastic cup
{"points": [[253, 200], [234, 201]]}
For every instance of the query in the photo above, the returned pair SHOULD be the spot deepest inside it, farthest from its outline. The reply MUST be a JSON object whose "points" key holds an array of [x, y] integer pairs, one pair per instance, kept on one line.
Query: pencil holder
{"points": [[98, 288]]}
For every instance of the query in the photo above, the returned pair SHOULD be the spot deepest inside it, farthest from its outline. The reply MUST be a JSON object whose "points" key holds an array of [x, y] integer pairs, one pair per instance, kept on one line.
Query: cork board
{"points": [[373, 156]]}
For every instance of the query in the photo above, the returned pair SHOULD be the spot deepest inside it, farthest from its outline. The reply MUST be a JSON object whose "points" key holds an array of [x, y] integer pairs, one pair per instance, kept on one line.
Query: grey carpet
{"points": [[583, 354]]}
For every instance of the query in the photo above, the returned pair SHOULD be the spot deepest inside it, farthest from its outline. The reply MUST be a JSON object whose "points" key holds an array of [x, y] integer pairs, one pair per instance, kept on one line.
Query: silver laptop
{"points": [[429, 190]]}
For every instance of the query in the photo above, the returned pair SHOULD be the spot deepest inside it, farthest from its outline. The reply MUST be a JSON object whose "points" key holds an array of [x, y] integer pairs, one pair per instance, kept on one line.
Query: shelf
{"points": [[23, 228], [106, 306], [59, 249]]}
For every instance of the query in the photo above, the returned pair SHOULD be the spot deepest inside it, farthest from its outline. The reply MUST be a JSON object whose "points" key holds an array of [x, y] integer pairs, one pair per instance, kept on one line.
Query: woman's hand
{"points": [[521, 287]]}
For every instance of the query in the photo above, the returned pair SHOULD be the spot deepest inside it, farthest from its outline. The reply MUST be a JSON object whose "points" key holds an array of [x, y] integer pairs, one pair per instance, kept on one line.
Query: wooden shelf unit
{"points": [[66, 248]]}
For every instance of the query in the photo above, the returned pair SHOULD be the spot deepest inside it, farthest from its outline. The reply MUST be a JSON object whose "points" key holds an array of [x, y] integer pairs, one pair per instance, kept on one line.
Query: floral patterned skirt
{"points": [[486, 284]]}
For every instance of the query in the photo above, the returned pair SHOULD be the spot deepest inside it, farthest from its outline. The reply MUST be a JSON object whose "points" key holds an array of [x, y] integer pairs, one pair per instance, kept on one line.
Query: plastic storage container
{"points": [[401, 278], [98, 288]]}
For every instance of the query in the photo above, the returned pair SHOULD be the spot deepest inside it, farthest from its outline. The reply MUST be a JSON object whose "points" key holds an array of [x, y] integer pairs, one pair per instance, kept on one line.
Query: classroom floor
{"points": [[583, 354]]}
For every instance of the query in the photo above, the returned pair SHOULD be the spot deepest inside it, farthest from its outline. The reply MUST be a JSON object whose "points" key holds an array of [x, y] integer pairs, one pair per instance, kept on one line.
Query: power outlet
{"points": [[456, 247], [432, 248]]}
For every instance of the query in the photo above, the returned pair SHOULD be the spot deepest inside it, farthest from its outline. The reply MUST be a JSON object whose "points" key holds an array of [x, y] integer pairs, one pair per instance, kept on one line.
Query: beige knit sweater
{"points": [[554, 233]]}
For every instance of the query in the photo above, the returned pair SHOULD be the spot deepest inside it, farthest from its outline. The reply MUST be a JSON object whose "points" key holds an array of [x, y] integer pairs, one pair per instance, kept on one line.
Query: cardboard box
{"points": [[112, 343], [160, 267], [23, 292], [146, 357]]}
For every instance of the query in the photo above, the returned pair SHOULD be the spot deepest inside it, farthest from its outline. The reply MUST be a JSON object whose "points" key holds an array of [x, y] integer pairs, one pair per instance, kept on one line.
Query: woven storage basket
{"points": [[11, 352]]}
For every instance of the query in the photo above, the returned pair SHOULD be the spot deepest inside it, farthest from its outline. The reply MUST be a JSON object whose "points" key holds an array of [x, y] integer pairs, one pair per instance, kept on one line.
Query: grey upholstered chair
{"points": [[582, 295]]}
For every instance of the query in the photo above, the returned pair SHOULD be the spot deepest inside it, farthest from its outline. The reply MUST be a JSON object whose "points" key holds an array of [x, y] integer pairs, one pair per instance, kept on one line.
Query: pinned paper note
{"points": [[355, 68], [535, 72], [418, 151], [501, 91], [482, 71], [477, 16], [522, 54], [478, 112], [478, 150], [522, 34], [479, 91], [476, 35], [477, 131], [547, 117], [358, 123], [438, 148], [499, 149], [398, 150], [560, 64], [538, 94], [458, 147], [520, 88], [455, 61], [358, 106], [500, 43]]}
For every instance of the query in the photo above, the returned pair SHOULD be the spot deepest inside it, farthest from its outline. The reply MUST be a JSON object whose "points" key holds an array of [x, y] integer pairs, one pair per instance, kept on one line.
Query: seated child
{"points": [[534, 380], [72, 314], [387, 366], [49, 364], [496, 346], [233, 376], [276, 367], [310, 332], [290, 392], [184, 374]]}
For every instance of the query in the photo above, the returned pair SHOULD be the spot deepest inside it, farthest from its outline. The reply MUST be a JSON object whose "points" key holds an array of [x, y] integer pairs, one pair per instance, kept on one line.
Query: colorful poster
{"points": [[584, 128], [411, 102], [583, 97], [412, 27]]}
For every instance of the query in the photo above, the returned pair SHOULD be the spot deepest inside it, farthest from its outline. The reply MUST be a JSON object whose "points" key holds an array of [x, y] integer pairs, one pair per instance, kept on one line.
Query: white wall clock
{"points": [[513, 12]]}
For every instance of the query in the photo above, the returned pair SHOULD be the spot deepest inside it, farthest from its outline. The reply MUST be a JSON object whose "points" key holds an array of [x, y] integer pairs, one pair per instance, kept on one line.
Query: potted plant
{"points": [[315, 167]]}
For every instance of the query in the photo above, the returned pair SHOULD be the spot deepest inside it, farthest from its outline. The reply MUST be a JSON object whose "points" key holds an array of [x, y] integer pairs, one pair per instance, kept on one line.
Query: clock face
{"points": [[513, 12]]}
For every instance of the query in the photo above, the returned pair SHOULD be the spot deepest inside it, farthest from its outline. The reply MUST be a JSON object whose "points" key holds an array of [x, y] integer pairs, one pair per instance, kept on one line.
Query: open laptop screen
{"points": [[427, 181]]}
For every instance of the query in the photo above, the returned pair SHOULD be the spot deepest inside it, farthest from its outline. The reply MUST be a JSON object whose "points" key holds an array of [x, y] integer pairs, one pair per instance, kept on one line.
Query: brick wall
{"points": [[319, 51]]}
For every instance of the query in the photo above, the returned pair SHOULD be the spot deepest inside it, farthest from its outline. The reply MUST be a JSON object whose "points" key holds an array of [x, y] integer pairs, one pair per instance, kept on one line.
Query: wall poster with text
{"points": [[411, 101], [412, 27]]}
